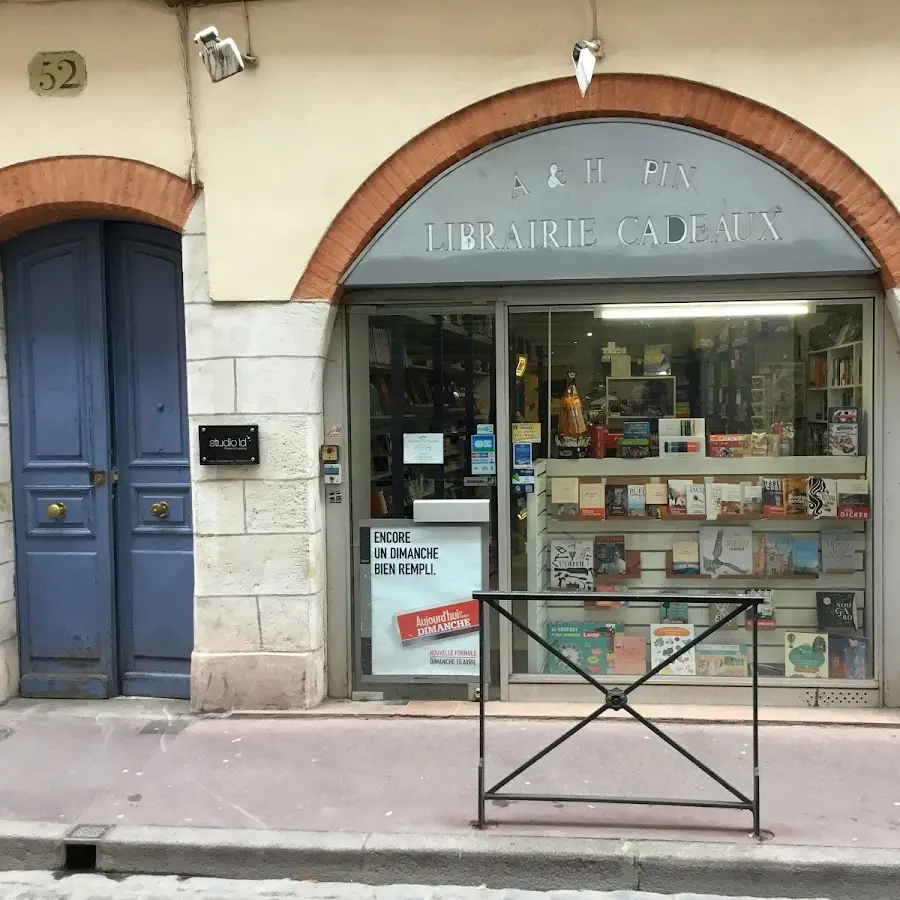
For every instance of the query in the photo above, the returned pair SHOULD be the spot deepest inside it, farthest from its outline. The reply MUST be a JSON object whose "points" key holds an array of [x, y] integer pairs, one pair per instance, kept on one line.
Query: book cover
{"points": [[806, 554], [722, 660], [713, 500], [843, 431], [726, 551], [677, 491], [779, 555], [572, 565], [805, 655], [822, 495], [731, 503], [656, 494], [848, 656], [609, 554], [751, 498], [686, 558], [592, 499], [637, 500], [666, 640], [616, 500], [630, 655], [838, 552], [588, 646], [564, 491], [772, 497], [765, 611], [796, 498], [853, 498], [836, 611], [721, 609], [696, 499], [759, 553], [673, 611]]}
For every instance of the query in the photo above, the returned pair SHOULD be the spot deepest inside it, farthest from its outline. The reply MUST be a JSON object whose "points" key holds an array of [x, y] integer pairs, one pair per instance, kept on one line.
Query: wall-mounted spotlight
{"points": [[220, 55]]}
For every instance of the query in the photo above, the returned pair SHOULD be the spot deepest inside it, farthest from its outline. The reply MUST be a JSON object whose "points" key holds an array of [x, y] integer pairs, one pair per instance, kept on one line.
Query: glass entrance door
{"points": [[422, 391]]}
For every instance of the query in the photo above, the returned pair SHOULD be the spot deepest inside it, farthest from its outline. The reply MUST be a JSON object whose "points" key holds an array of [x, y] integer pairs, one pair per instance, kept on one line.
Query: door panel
{"points": [[56, 324], [155, 544]]}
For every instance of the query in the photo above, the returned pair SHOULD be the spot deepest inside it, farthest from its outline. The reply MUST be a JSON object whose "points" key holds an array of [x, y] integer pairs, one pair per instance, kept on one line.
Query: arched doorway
{"points": [[98, 427]]}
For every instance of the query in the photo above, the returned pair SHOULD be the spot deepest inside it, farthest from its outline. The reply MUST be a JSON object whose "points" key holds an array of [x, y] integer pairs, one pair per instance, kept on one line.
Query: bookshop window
{"points": [[696, 449]]}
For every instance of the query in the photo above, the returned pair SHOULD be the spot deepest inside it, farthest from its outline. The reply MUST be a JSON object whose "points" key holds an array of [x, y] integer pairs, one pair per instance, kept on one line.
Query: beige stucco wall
{"points": [[343, 83]]}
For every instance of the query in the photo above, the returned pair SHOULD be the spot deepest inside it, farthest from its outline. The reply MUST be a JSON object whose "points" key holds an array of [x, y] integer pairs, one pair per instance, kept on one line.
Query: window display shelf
{"points": [[672, 467]]}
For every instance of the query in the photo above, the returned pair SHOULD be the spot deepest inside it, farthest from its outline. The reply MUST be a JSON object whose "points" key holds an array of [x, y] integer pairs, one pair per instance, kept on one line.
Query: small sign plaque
{"points": [[229, 445]]}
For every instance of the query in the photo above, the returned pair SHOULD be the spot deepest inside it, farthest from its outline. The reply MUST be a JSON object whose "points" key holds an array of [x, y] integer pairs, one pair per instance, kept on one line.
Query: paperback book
{"points": [[853, 499], [772, 497], [713, 500], [686, 558], [630, 655], [838, 552], [778, 555], [637, 500], [806, 554], [676, 611], [726, 551], [696, 499], [731, 502], [796, 499], [609, 554], [822, 494], [848, 656], [805, 655], [678, 497], [751, 499], [765, 611], [836, 611], [616, 500], [572, 565], [588, 646], [721, 609], [592, 499], [843, 431], [722, 660], [667, 640]]}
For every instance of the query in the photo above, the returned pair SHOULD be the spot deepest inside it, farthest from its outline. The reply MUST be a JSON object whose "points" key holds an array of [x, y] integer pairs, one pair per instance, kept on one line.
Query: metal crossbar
{"points": [[614, 698]]}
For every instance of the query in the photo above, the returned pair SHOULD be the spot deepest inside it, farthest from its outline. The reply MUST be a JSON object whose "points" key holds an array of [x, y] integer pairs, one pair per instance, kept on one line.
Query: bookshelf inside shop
{"points": [[427, 375], [756, 482]]}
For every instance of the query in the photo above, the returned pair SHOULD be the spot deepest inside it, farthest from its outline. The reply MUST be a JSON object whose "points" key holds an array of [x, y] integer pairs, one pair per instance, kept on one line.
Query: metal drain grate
{"points": [[86, 833], [5, 732], [838, 697], [165, 726]]}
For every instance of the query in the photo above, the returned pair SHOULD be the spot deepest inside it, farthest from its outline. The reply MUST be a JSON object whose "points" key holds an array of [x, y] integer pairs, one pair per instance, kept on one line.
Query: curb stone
{"points": [[474, 859]]}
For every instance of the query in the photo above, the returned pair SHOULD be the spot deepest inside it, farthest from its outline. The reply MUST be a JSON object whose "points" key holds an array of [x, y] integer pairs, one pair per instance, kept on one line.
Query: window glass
{"points": [[684, 453]]}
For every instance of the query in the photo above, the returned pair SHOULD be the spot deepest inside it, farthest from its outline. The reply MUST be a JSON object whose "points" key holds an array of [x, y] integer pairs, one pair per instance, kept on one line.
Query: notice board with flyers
{"points": [[419, 579]]}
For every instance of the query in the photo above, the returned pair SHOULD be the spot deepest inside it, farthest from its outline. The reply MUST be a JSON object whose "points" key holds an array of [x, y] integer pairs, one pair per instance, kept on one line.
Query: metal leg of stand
{"points": [[482, 662]]}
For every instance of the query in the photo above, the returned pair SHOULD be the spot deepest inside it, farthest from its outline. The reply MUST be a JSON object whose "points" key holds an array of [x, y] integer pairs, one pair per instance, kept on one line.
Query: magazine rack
{"points": [[614, 698]]}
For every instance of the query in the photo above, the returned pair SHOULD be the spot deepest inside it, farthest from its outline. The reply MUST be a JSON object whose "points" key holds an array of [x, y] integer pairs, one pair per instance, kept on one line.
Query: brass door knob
{"points": [[56, 510], [160, 509]]}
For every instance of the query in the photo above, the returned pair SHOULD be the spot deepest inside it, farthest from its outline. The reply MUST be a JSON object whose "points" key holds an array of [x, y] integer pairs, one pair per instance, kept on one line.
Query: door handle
{"points": [[160, 509], [56, 510]]}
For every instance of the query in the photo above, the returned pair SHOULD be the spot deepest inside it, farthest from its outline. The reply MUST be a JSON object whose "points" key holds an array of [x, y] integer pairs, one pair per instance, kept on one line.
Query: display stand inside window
{"points": [[717, 458]]}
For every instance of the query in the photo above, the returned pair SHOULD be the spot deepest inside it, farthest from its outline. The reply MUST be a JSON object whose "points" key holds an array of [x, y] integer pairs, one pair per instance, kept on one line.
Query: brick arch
{"points": [[831, 173], [42, 191]]}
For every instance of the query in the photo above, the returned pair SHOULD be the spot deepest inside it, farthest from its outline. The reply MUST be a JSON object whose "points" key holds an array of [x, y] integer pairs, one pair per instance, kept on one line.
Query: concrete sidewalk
{"points": [[140, 764]]}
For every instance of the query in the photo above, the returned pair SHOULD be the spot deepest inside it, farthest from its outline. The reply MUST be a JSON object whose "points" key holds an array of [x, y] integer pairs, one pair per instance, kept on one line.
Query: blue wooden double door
{"points": [[100, 460]]}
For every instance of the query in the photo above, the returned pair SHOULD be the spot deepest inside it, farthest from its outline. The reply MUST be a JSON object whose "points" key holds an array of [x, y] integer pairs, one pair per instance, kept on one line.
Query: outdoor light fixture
{"points": [[220, 55], [585, 54], [711, 310]]}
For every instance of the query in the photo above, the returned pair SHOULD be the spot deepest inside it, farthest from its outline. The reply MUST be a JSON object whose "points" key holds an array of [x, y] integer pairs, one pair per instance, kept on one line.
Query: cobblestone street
{"points": [[44, 886]]}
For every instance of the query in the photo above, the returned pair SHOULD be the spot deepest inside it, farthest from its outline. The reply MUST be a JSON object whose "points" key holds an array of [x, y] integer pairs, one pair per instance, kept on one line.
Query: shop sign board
{"points": [[422, 577], [609, 200], [229, 445]]}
